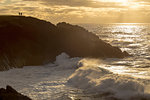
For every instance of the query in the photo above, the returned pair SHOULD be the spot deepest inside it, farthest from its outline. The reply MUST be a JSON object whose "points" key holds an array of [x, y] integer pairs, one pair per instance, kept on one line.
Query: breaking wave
{"points": [[75, 78], [104, 84]]}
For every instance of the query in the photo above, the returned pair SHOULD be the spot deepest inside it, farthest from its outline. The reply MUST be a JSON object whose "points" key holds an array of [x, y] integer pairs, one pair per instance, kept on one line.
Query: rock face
{"points": [[30, 41], [76, 41], [11, 94]]}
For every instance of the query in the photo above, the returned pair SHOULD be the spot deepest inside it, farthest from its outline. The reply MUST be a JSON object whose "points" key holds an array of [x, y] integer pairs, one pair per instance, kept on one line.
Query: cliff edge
{"points": [[31, 41]]}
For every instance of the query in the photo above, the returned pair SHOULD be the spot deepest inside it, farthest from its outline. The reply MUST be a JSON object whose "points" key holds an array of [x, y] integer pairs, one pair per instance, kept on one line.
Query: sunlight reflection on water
{"points": [[133, 38], [49, 82]]}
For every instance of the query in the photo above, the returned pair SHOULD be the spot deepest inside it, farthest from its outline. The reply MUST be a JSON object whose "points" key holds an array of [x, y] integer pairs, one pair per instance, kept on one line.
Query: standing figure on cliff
{"points": [[20, 14]]}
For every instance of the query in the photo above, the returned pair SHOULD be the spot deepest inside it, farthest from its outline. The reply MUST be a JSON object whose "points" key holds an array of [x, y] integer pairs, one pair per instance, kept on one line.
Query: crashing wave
{"points": [[105, 84]]}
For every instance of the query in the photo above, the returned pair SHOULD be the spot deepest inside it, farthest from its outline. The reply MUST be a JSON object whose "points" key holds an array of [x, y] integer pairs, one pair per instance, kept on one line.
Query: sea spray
{"points": [[45, 82], [64, 61], [96, 80], [62, 80]]}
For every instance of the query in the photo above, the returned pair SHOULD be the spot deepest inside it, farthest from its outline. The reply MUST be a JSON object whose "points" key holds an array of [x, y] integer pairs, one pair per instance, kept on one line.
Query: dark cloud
{"points": [[3, 10], [64, 2], [79, 11], [80, 3]]}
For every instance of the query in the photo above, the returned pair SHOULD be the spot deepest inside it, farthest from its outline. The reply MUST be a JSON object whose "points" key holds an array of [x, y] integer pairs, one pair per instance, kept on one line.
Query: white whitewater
{"points": [[41, 82], [101, 83], [63, 81], [91, 79]]}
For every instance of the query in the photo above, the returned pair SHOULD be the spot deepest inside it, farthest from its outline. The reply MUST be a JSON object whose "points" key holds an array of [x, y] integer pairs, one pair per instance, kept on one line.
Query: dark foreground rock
{"points": [[11, 94], [30, 41]]}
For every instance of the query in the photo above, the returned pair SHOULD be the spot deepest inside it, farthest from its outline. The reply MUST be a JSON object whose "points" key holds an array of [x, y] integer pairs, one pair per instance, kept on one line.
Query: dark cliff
{"points": [[11, 94], [30, 41]]}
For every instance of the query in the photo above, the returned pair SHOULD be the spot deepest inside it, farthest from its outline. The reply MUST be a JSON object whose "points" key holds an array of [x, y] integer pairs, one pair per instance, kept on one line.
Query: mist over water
{"points": [[91, 79]]}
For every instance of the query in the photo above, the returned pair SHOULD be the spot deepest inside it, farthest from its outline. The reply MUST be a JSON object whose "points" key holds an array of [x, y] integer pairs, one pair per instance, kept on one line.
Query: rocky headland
{"points": [[31, 41]]}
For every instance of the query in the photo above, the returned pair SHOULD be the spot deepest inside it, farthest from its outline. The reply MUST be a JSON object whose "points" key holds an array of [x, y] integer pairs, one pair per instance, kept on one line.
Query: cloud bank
{"points": [[80, 11]]}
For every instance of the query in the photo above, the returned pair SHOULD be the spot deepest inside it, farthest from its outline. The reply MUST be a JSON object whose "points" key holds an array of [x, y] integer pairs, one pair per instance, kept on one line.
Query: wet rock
{"points": [[11, 94]]}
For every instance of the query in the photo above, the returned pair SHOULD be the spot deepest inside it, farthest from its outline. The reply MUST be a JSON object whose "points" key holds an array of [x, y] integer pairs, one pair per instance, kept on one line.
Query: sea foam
{"points": [[96, 80], [56, 80]]}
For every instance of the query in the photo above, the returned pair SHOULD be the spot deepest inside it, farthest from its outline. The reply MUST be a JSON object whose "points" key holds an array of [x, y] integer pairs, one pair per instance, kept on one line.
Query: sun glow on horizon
{"points": [[123, 1], [120, 1], [81, 11], [126, 3]]}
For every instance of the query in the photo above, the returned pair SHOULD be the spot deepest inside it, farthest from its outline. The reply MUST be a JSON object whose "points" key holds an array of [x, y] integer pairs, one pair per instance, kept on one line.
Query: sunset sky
{"points": [[81, 11]]}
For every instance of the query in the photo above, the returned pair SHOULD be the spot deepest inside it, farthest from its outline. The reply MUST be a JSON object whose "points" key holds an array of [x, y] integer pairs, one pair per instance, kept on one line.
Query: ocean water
{"points": [[91, 79], [133, 38]]}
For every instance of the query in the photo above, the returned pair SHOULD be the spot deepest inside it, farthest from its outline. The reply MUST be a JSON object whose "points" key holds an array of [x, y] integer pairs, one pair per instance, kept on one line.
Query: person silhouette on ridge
{"points": [[20, 14]]}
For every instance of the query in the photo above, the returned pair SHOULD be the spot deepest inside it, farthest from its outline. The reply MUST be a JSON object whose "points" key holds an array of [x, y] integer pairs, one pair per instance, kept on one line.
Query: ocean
{"points": [[91, 79]]}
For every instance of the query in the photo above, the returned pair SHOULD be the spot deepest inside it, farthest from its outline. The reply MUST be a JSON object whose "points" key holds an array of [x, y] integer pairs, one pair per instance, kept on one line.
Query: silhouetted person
{"points": [[20, 14]]}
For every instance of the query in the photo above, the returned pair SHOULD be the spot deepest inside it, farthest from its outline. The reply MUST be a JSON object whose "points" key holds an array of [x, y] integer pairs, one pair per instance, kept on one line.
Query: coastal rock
{"points": [[11, 94], [30, 41], [78, 42]]}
